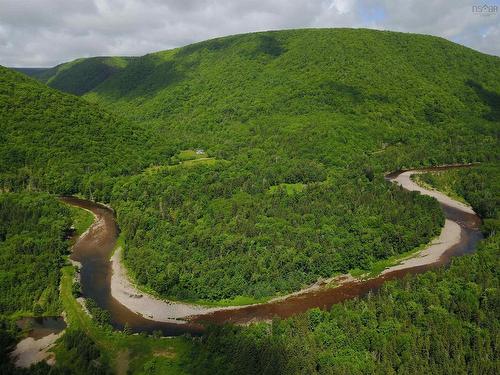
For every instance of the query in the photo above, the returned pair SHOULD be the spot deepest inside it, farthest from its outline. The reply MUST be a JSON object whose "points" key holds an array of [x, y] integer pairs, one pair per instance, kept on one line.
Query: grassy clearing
{"points": [[82, 219], [290, 189], [182, 164], [144, 354], [120, 242], [185, 155], [207, 161]]}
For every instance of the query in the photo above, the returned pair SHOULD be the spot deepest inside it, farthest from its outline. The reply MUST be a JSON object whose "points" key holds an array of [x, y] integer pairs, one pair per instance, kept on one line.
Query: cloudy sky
{"points": [[47, 32]]}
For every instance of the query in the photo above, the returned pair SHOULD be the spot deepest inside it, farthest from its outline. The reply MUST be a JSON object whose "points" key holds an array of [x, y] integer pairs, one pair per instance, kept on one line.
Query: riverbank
{"points": [[145, 304], [30, 350]]}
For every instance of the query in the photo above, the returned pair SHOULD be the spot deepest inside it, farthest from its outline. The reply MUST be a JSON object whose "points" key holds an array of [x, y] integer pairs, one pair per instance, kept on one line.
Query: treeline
{"points": [[443, 321], [77, 354], [480, 186]]}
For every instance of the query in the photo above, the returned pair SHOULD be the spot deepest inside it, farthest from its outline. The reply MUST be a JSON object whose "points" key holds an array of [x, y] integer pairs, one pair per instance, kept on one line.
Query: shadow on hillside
{"points": [[490, 98], [144, 78]]}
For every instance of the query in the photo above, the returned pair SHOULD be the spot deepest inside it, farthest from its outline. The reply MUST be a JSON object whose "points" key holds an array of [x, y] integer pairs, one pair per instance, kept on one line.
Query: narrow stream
{"points": [[94, 249]]}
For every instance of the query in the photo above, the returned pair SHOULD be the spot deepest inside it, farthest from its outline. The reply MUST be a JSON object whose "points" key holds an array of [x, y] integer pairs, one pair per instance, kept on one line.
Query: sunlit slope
{"points": [[424, 98], [295, 129], [57, 142], [387, 76]]}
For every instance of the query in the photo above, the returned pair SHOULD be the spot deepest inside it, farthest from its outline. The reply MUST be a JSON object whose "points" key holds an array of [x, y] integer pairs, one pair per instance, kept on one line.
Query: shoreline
{"points": [[144, 304], [153, 308], [30, 351]]}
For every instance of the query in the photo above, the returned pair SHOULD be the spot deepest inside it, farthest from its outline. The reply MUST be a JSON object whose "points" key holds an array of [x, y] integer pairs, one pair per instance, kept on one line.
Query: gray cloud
{"points": [[47, 32]]}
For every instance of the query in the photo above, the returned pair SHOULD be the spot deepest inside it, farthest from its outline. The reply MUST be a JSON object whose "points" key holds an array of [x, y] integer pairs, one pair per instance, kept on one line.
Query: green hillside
{"points": [[412, 92], [294, 130], [59, 143], [314, 108], [79, 76]]}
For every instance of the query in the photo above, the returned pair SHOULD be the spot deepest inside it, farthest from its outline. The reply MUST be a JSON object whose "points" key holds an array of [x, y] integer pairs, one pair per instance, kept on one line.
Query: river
{"points": [[93, 251]]}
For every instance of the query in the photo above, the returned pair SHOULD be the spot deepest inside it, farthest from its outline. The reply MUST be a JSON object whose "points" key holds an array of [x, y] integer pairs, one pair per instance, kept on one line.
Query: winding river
{"points": [[93, 249]]}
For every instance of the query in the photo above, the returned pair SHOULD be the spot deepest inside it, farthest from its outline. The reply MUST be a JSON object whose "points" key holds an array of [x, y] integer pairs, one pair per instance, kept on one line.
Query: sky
{"points": [[41, 33]]}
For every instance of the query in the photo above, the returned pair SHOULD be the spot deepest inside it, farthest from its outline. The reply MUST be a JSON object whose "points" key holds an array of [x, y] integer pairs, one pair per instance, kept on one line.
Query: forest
{"points": [[440, 322], [33, 243], [293, 146], [33, 231], [58, 143], [253, 165], [222, 240]]}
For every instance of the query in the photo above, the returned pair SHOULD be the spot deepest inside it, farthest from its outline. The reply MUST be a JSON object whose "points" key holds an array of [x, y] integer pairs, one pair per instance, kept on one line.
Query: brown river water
{"points": [[94, 250]]}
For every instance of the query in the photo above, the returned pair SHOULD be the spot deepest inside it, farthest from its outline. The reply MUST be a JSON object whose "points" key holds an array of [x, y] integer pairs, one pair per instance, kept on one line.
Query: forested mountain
{"points": [[295, 129], [422, 94], [252, 165], [296, 122], [78, 76]]}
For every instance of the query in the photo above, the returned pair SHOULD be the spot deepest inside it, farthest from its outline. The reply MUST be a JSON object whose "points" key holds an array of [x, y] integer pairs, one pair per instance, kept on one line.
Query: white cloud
{"points": [[47, 32]]}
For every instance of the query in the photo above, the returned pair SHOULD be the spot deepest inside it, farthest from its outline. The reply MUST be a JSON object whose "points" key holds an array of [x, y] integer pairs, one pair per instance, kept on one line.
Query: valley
{"points": [[143, 312], [243, 217]]}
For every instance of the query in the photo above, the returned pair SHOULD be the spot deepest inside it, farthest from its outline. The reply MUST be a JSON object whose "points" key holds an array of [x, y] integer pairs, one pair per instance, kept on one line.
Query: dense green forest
{"points": [[202, 239], [294, 147], [421, 99], [440, 322], [33, 230], [253, 165], [59, 143]]}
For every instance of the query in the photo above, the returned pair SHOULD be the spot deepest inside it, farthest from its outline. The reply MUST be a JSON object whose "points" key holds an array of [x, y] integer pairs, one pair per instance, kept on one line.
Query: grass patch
{"points": [[185, 155], [120, 242], [82, 219], [207, 161], [182, 164], [290, 189]]}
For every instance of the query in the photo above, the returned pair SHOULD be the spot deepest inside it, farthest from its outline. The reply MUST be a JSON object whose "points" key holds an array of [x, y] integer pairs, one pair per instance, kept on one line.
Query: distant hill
{"points": [[400, 82], [406, 76], [79, 76], [57, 142]]}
